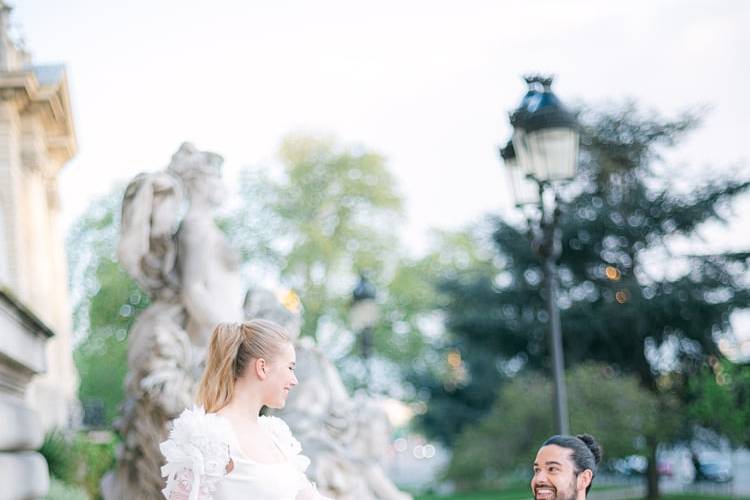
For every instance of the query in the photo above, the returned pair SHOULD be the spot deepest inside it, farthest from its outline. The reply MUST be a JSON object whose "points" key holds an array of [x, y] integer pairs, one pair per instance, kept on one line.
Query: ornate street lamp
{"points": [[363, 317], [525, 189], [542, 152], [545, 134]]}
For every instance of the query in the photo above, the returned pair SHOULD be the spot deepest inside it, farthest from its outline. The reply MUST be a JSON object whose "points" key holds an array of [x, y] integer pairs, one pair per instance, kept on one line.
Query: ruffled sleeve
{"points": [[283, 437], [197, 454], [292, 448]]}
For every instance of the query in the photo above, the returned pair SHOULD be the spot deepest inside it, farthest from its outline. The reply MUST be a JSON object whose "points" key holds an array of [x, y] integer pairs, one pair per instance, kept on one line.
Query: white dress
{"points": [[201, 445]]}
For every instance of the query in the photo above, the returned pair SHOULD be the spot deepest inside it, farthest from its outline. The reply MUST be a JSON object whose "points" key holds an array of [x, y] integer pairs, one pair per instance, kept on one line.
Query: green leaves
{"points": [[720, 399], [333, 211], [626, 298], [612, 407], [331, 214], [105, 304]]}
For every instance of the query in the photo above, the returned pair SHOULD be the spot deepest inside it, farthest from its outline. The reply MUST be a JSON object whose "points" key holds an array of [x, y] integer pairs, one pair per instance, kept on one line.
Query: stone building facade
{"points": [[38, 380]]}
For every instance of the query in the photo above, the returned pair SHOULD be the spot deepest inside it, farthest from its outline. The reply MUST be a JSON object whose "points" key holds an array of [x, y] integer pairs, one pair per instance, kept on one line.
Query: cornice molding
{"points": [[51, 102]]}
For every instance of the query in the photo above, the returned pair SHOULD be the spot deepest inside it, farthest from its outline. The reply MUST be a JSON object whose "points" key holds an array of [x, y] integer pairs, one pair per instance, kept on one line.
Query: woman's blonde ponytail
{"points": [[231, 348], [217, 384]]}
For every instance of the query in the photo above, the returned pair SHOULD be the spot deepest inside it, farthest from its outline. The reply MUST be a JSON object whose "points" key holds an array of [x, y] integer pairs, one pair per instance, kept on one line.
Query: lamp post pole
{"points": [[363, 317], [542, 151], [549, 250]]}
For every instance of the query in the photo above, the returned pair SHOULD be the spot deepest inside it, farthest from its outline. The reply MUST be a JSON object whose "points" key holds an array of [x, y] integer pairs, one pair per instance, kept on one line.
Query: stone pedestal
{"points": [[24, 475], [23, 339]]}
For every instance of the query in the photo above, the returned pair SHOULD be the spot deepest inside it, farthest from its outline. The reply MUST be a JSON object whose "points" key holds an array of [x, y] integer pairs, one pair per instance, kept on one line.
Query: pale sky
{"points": [[426, 83]]}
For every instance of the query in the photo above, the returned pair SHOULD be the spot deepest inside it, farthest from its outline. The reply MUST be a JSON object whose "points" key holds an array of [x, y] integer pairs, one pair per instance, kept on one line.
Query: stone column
{"points": [[23, 338]]}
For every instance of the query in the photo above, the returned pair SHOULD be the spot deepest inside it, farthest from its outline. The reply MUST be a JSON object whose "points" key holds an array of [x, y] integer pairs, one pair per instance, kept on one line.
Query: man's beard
{"points": [[559, 495]]}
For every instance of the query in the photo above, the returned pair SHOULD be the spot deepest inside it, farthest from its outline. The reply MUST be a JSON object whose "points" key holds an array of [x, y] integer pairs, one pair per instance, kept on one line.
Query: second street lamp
{"points": [[525, 190], [363, 317], [542, 151]]}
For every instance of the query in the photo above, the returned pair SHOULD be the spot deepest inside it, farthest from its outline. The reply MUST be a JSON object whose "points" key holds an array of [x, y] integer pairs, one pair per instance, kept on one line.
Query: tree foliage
{"points": [[622, 297], [410, 334], [105, 303], [614, 408], [627, 297], [331, 213], [720, 399]]}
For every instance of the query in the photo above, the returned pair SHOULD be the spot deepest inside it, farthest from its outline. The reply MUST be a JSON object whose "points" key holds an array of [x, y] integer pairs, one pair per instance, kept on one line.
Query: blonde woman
{"points": [[223, 449]]}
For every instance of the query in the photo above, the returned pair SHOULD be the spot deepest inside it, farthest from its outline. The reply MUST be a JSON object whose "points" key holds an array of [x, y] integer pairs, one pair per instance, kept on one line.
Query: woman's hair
{"points": [[231, 348], [586, 452]]}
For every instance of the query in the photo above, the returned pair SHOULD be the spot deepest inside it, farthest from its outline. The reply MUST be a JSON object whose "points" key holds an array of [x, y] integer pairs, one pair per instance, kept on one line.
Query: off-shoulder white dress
{"points": [[201, 445]]}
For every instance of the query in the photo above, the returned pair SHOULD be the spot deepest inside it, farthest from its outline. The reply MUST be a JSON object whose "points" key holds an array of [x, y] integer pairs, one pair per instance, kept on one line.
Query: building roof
{"points": [[48, 74]]}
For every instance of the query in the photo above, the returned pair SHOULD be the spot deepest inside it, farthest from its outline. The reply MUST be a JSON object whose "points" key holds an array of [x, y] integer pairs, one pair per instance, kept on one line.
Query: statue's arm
{"points": [[196, 248], [149, 218]]}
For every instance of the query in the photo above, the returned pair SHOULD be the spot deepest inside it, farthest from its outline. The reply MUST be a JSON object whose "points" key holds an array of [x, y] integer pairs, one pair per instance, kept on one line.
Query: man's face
{"points": [[554, 474]]}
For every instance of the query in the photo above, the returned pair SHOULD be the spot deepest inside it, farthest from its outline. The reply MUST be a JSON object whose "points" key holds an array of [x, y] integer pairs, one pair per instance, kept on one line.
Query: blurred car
{"points": [[664, 468], [632, 465], [636, 465], [713, 467]]}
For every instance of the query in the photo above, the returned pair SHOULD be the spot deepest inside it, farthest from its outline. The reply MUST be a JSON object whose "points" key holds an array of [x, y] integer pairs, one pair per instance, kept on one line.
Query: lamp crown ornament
{"points": [[364, 290], [545, 136], [540, 108], [537, 79]]}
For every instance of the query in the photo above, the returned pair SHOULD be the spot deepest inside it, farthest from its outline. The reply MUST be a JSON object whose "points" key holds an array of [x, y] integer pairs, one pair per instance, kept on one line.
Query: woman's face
{"points": [[280, 377]]}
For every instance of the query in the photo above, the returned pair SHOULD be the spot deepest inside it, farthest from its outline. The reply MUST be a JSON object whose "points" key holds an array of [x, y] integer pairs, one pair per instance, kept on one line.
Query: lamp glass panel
{"points": [[552, 154], [520, 146], [525, 191], [363, 314]]}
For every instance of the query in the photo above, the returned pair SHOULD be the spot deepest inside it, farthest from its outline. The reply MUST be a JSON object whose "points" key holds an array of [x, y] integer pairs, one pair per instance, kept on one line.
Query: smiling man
{"points": [[565, 467]]}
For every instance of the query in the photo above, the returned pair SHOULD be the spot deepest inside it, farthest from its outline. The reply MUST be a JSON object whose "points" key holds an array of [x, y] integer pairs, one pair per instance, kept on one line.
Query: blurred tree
{"points": [[105, 303], [332, 213], [410, 335], [720, 399], [440, 373], [411, 307], [627, 298], [614, 408]]}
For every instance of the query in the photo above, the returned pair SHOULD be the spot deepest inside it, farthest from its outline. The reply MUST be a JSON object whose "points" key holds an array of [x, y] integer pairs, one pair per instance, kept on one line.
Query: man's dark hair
{"points": [[586, 452]]}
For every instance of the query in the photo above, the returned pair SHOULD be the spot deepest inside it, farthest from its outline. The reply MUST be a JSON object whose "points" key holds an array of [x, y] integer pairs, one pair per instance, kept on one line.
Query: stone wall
{"points": [[23, 342], [38, 380], [36, 140]]}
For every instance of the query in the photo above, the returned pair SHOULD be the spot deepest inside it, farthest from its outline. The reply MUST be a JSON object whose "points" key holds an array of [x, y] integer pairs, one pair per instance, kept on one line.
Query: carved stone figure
{"points": [[346, 438], [172, 247]]}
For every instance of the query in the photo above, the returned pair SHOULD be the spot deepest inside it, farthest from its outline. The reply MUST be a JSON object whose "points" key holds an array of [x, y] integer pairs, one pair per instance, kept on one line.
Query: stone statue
{"points": [[346, 438], [172, 247], [170, 244]]}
